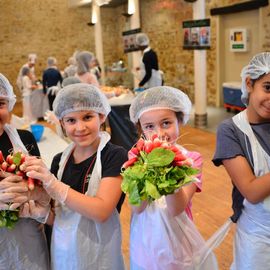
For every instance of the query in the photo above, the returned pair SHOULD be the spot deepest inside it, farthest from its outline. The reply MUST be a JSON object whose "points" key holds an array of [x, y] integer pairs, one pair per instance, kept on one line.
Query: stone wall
{"points": [[51, 28]]}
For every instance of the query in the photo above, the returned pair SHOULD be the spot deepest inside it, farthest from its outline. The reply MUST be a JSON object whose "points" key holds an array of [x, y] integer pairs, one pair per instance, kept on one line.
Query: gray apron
{"points": [[81, 243], [252, 238], [24, 247]]}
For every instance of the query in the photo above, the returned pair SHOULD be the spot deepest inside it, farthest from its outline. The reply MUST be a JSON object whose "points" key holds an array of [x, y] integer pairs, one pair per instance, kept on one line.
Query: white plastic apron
{"points": [[252, 238], [23, 247], [159, 241], [79, 243], [155, 79]]}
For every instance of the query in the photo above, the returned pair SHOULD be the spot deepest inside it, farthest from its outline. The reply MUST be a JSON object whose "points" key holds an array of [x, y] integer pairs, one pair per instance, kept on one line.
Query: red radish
{"points": [[179, 157], [133, 152], [175, 149], [22, 167], [129, 162], [140, 144], [22, 158], [20, 173], [9, 159], [157, 142], [4, 166], [148, 147], [11, 168], [31, 183], [1, 157], [155, 136]]}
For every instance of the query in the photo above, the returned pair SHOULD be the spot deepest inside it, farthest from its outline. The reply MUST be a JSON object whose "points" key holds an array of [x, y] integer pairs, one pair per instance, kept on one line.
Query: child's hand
{"points": [[35, 211], [36, 169], [39, 195], [13, 192]]}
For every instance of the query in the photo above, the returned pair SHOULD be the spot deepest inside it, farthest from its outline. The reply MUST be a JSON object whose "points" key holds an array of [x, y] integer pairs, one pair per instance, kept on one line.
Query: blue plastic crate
{"points": [[232, 96]]}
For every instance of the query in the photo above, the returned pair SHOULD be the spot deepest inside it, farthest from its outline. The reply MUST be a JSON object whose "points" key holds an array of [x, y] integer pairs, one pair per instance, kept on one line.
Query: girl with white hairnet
{"points": [[243, 149], [162, 233], [86, 228], [24, 246]]}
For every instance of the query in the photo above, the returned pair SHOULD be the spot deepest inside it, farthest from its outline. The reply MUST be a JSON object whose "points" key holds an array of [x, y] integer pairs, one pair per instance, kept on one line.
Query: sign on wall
{"points": [[129, 40], [238, 40], [196, 34]]}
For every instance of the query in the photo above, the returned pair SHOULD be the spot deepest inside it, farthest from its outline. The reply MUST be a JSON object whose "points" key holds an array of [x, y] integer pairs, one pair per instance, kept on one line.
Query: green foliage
{"points": [[8, 218], [153, 176]]}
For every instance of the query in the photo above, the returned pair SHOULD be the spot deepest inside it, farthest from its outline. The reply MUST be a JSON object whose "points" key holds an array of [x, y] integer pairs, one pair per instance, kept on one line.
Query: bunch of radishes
{"points": [[149, 145], [14, 163]]}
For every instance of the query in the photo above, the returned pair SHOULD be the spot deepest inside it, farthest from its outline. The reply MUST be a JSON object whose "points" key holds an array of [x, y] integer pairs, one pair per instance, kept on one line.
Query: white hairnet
{"points": [[83, 59], [6, 92], [160, 97], [70, 80], [142, 39], [79, 97], [32, 57], [51, 61], [258, 66]]}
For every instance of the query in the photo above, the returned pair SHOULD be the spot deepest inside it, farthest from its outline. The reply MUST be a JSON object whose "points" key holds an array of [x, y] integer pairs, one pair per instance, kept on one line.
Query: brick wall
{"points": [[51, 28]]}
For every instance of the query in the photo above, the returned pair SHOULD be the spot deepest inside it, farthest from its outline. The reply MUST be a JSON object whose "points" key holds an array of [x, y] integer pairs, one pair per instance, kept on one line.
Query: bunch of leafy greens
{"points": [[9, 218], [153, 175]]}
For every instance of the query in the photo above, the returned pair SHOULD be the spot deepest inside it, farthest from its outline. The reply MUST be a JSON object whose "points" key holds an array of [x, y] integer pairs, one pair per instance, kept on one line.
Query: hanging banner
{"points": [[129, 40], [196, 34]]}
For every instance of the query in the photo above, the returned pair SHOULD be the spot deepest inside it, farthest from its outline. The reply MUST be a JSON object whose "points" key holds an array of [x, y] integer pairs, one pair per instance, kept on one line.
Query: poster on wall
{"points": [[239, 40], [129, 40], [196, 34]]}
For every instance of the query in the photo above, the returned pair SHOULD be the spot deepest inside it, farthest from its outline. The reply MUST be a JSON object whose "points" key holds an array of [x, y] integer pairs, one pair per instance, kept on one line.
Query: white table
{"points": [[124, 99], [50, 145]]}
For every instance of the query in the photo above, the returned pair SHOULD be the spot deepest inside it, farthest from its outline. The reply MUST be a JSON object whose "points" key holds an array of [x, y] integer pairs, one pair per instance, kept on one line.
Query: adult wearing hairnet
{"points": [[32, 57], [86, 228], [51, 80], [243, 148], [71, 69], [150, 75], [85, 61], [24, 246]]}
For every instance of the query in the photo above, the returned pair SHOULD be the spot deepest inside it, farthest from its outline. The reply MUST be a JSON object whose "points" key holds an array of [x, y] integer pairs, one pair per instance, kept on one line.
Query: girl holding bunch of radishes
{"points": [[24, 246], [86, 229], [162, 234]]}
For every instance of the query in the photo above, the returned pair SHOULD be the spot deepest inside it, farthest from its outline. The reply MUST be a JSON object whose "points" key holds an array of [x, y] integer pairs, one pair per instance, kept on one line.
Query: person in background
{"points": [[32, 57], [51, 80], [71, 69], [85, 181], [27, 88], [96, 69], [85, 61], [24, 246], [162, 233], [243, 148], [150, 75]]}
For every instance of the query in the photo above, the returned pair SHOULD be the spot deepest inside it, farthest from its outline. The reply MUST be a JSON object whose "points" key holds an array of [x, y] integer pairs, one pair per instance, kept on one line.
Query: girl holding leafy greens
{"points": [[163, 235]]}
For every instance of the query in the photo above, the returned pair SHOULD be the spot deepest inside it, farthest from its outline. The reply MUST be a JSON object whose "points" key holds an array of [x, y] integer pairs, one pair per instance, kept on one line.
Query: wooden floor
{"points": [[211, 207]]}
